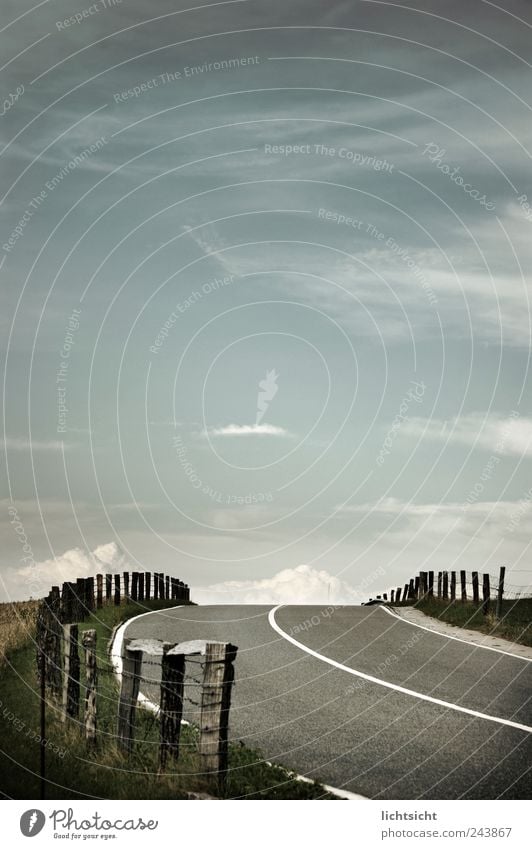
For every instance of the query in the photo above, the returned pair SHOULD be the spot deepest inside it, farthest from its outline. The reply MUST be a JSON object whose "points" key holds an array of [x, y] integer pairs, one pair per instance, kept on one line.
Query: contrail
{"points": [[269, 391]]}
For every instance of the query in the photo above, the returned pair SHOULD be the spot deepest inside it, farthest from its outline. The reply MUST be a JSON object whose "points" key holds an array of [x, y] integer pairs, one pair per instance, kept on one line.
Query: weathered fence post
{"points": [[99, 590], [88, 640], [416, 586], [161, 585], [500, 592], [422, 587], [129, 691], [392, 596], [172, 677], [215, 703], [71, 670], [405, 592], [431, 584], [135, 586], [141, 586], [485, 594], [126, 586], [453, 586], [173, 588], [67, 607], [117, 590], [474, 580], [440, 578], [147, 581], [90, 594], [398, 594], [81, 608], [385, 596], [108, 588], [445, 584], [167, 587], [155, 585], [411, 593], [53, 642], [463, 586]]}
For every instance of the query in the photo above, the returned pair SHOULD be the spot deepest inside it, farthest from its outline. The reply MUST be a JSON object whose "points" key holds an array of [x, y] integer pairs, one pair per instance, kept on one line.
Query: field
{"points": [[76, 771], [514, 624]]}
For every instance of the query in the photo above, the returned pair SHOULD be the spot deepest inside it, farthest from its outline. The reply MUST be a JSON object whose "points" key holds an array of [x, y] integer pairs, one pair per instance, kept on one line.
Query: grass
{"points": [[17, 625], [514, 624], [75, 771]]}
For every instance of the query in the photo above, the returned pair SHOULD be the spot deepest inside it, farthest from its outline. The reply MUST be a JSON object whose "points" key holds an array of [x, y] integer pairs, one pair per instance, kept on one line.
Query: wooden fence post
{"points": [[215, 703], [398, 594], [129, 691], [453, 586], [173, 588], [71, 670], [445, 584], [172, 677], [161, 585], [81, 608], [90, 594], [440, 577], [416, 586], [431, 584], [463, 586], [147, 582], [108, 588], [485, 594], [66, 602], [392, 596], [500, 592], [126, 586], [474, 579], [155, 585], [53, 642], [117, 590], [167, 587], [88, 640], [99, 590], [405, 592], [135, 586], [141, 586], [411, 588]]}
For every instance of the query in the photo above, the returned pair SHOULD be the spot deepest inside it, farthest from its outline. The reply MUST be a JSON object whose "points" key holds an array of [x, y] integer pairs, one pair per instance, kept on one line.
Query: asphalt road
{"points": [[353, 733]]}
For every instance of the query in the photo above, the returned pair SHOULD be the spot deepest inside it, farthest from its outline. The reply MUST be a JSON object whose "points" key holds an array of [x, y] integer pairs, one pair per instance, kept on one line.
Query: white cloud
{"points": [[74, 563], [249, 430], [301, 585], [502, 435]]}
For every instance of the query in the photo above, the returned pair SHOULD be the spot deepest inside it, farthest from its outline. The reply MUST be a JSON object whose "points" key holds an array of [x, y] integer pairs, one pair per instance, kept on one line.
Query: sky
{"points": [[265, 279]]}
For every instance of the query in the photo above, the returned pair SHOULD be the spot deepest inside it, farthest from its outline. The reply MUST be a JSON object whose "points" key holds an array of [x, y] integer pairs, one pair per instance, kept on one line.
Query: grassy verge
{"points": [[17, 625], [75, 771], [514, 624]]}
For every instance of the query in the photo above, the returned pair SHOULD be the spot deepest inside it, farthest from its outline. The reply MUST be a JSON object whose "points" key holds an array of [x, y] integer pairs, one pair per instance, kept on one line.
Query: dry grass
{"points": [[17, 623]]}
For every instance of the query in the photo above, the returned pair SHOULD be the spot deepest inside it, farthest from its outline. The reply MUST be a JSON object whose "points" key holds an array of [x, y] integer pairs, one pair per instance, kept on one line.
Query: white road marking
{"points": [[396, 687], [451, 637]]}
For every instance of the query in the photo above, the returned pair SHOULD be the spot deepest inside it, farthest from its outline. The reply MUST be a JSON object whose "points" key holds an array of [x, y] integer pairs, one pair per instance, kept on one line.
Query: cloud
{"points": [[18, 444], [301, 585], [249, 430], [72, 564], [502, 435]]}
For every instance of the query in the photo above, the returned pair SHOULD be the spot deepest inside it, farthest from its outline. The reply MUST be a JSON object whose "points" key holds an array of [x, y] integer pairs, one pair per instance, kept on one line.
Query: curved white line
{"points": [[396, 687], [116, 660], [451, 637]]}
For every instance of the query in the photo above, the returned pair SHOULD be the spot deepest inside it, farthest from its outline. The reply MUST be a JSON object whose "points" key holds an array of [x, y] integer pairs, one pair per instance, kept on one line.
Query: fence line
{"points": [[422, 587]]}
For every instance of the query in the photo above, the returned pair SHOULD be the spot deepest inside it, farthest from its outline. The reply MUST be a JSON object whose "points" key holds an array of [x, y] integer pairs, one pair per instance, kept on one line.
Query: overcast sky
{"points": [[265, 292]]}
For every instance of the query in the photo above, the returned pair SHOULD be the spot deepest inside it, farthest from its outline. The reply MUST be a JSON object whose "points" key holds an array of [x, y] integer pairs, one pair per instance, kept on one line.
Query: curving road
{"points": [[362, 700]]}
